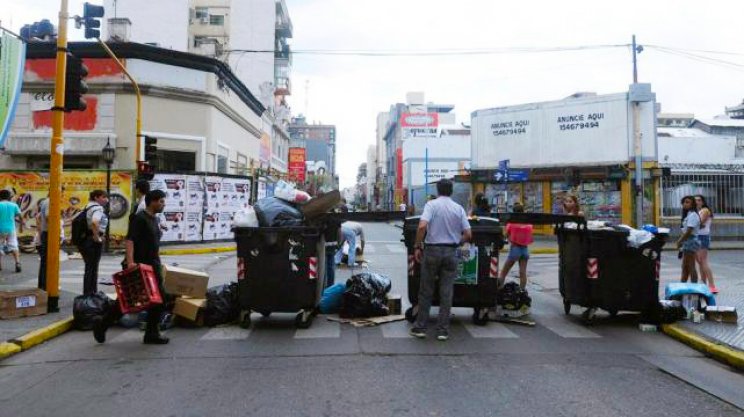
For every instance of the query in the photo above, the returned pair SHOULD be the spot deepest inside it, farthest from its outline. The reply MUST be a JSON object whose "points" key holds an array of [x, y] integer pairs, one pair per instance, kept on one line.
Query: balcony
{"points": [[283, 23], [282, 82]]}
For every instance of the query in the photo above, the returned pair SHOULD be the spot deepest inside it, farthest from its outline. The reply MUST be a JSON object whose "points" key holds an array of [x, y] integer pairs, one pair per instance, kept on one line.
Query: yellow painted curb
{"points": [[42, 335], [8, 349], [196, 251], [714, 349]]}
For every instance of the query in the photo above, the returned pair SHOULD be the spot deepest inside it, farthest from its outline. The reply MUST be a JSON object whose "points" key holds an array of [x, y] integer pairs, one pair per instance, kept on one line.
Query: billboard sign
{"points": [[594, 130], [296, 165], [12, 60], [419, 125]]}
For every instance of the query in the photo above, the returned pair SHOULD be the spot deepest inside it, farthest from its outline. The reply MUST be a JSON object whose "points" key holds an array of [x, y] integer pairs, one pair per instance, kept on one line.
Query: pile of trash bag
{"points": [[670, 311], [512, 297], [365, 296], [223, 305], [86, 308], [275, 212]]}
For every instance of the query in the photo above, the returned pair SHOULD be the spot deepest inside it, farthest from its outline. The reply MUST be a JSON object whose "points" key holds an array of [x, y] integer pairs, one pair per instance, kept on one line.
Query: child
{"points": [[520, 237]]}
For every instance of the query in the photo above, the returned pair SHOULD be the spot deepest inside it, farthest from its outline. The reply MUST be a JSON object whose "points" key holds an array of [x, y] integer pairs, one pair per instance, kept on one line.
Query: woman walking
{"points": [[688, 243], [706, 219], [481, 206]]}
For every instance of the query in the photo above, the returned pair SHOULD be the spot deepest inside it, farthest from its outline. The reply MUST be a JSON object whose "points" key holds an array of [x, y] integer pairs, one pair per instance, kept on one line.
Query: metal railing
{"points": [[723, 191]]}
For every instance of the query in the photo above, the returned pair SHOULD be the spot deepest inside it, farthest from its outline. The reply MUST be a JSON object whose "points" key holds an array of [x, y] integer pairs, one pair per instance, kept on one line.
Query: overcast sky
{"points": [[349, 91]]}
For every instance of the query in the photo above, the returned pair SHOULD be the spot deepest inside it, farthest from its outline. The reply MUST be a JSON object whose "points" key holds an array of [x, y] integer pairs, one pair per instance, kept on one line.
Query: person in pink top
{"points": [[520, 237]]}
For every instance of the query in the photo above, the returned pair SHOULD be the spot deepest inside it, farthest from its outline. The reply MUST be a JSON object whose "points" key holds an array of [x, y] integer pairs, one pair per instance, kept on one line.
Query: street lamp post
{"points": [[109, 153]]}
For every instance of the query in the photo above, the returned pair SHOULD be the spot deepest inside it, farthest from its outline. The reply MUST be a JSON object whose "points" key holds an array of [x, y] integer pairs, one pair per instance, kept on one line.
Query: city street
{"points": [[557, 368]]}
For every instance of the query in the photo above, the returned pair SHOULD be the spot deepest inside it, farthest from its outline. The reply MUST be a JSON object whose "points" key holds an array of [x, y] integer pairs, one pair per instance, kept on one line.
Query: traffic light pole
{"points": [[137, 148], [55, 165]]}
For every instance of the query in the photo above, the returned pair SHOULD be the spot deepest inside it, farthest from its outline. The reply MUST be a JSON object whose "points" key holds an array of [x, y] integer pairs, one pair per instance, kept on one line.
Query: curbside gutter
{"points": [[196, 251], [718, 351], [34, 338]]}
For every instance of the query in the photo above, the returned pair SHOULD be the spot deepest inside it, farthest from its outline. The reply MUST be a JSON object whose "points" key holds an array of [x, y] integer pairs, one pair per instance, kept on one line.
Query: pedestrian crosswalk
{"points": [[324, 329]]}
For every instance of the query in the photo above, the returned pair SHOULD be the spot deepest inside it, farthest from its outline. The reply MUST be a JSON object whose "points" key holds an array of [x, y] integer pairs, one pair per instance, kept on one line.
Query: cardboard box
{"points": [[182, 281], [722, 314], [394, 303], [189, 308], [22, 302]]}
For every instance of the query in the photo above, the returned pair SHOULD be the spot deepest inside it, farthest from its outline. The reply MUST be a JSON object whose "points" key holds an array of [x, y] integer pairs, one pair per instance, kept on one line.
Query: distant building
{"points": [[319, 140], [720, 126], [736, 112], [674, 119]]}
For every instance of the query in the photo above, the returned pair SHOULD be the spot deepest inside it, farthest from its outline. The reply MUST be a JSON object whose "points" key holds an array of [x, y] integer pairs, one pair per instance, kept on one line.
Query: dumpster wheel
{"points": [[304, 319], [411, 314], [245, 323], [480, 316], [566, 306]]}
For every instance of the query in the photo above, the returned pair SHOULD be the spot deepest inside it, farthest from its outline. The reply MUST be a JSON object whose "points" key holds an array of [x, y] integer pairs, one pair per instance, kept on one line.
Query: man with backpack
{"points": [[88, 232]]}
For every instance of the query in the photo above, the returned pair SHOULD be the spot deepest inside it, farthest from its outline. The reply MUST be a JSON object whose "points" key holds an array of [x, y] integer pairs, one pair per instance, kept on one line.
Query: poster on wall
{"points": [[173, 224], [243, 193], [29, 188], [194, 208], [211, 225], [174, 186], [213, 189]]}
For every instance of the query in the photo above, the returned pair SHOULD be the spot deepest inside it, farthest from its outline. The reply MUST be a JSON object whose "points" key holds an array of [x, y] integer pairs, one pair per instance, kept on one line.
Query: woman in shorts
{"points": [[520, 237], [688, 243], [706, 219]]}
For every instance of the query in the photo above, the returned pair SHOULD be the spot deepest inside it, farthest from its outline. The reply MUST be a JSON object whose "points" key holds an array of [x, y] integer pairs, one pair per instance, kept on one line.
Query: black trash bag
{"points": [[274, 212], [85, 309], [512, 297], [365, 296], [669, 312], [223, 305]]}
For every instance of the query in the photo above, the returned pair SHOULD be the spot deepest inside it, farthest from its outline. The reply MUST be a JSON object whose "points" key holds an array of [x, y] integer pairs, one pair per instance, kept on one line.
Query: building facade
{"points": [[251, 36], [203, 117], [319, 140]]}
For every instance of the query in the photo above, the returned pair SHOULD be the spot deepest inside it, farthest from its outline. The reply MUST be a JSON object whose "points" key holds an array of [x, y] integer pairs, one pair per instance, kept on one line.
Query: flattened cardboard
{"points": [[189, 308], [22, 302]]}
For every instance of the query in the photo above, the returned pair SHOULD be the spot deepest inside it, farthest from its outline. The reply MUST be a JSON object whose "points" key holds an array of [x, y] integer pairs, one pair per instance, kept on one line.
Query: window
{"points": [[201, 13], [222, 159], [241, 167], [216, 20]]}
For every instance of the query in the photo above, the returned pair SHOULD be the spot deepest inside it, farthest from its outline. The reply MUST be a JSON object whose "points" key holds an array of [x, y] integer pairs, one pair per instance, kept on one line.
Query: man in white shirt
{"points": [[92, 248]]}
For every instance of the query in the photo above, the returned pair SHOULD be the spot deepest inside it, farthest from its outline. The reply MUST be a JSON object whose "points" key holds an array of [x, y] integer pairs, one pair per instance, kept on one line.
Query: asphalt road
{"points": [[557, 368]]}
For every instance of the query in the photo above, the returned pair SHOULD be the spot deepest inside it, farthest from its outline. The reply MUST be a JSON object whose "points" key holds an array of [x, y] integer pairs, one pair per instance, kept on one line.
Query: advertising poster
{"points": [[174, 187], [195, 190], [211, 225], [213, 189], [230, 197], [193, 226], [12, 60], [243, 190], [296, 166], [29, 188], [468, 267], [419, 125], [225, 223], [173, 224], [261, 192]]}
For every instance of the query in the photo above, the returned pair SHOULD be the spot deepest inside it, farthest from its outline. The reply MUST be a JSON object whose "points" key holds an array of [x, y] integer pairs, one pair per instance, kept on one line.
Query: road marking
{"points": [[226, 333], [396, 330], [320, 329], [490, 331], [399, 248], [563, 327], [369, 249]]}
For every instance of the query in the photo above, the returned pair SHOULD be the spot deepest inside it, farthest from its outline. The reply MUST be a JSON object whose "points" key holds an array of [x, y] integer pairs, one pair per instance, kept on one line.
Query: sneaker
{"points": [[419, 332], [442, 335], [99, 330], [18, 267], [713, 289]]}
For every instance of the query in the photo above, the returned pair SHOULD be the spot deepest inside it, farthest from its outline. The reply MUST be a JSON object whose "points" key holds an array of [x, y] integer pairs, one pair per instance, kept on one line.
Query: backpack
{"points": [[80, 229]]}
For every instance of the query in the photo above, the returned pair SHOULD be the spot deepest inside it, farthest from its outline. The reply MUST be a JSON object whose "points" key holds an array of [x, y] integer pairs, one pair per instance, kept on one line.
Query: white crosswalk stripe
{"points": [[490, 331], [563, 327], [399, 248], [227, 333], [320, 329]]}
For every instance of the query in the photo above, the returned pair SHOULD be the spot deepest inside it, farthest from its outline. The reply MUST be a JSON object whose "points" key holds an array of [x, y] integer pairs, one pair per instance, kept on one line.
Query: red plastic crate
{"points": [[137, 289]]}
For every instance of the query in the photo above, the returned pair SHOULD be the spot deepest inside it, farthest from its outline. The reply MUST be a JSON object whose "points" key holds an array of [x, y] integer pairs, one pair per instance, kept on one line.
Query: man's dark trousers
{"points": [[91, 252], [43, 245]]}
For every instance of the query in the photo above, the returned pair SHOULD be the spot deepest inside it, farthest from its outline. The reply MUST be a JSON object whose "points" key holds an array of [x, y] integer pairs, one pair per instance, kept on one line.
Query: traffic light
{"points": [[75, 85], [151, 149], [91, 14]]}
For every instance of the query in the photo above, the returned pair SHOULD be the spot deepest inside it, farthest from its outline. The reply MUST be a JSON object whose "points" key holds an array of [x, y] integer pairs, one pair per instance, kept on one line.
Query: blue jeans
{"points": [[330, 266], [348, 236]]}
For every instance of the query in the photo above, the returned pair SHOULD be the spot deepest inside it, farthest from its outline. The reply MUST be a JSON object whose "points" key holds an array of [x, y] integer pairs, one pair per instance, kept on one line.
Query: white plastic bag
{"points": [[245, 218], [287, 192]]}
